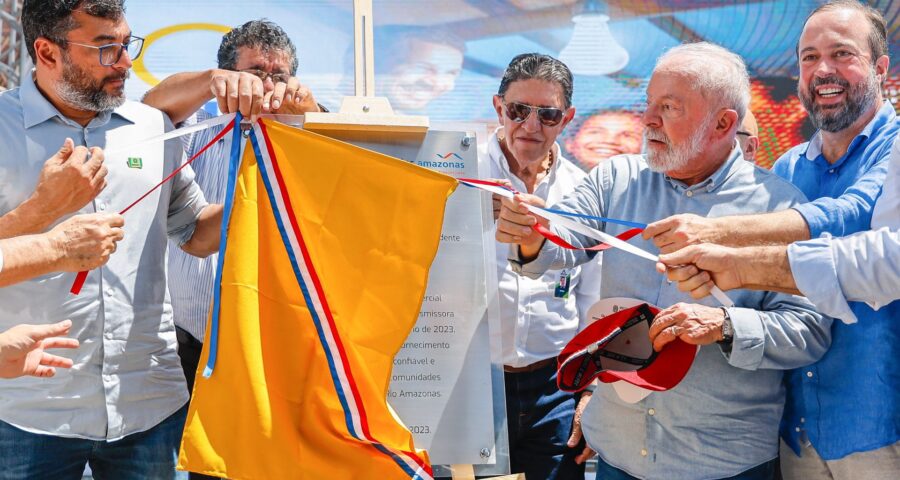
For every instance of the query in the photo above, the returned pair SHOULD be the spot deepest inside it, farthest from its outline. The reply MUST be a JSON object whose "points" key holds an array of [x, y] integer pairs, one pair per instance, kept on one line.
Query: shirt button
{"points": [[651, 412], [802, 420], [831, 171], [643, 452], [689, 193], [101, 206], [109, 291], [809, 374], [797, 429], [108, 335]]}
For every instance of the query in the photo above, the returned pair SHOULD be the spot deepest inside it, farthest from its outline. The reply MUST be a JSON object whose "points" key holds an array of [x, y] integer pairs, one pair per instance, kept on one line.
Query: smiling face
{"points": [[429, 72], [839, 80], [605, 135], [531, 141]]}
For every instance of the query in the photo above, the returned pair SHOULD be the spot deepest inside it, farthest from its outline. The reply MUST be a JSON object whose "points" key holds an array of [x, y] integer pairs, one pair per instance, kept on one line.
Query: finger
{"points": [[703, 290], [40, 332], [258, 92], [662, 321], [115, 220], [694, 282], [98, 181], [246, 91], [576, 435], [267, 102], [679, 257], [682, 273], [117, 234], [585, 455], [95, 162], [42, 371], [65, 151], [657, 228], [278, 95], [60, 342], [232, 94], [219, 90], [664, 338], [50, 360]]}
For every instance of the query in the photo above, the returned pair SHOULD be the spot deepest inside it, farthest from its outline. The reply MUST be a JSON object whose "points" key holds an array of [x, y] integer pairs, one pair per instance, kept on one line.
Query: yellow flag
{"points": [[327, 257]]}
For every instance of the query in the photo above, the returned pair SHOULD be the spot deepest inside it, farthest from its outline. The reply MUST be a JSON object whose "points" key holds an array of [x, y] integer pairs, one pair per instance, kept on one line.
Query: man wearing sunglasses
{"points": [[259, 61], [721, 421], [121, 407], [539, 316]]}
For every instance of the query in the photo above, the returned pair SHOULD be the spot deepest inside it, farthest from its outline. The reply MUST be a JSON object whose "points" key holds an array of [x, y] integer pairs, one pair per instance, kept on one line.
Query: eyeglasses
{"points": [[112, 52], [519, 112], [263, 75], [742, 132]]}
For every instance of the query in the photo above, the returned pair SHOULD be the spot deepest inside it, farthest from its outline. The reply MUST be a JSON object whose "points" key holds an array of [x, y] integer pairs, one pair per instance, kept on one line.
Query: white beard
{"points": [[675, 157]]}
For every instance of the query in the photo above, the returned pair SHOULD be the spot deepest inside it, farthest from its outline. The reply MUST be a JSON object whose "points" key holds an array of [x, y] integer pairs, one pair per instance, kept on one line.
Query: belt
{"points": [[531, 368]]}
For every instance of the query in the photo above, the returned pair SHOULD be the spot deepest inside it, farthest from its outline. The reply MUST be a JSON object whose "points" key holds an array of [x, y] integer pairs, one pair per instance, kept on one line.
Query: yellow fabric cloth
{"points": [[369, 227]]}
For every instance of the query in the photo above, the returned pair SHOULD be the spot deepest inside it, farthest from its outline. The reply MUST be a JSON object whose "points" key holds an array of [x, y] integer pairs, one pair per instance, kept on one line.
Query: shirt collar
{"points": [[718, 178], [884, 115], [37, 109]]}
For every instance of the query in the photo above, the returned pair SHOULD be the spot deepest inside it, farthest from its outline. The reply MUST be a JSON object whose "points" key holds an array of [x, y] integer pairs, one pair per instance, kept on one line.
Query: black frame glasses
{"points": [[263, 75], [109, 57], [741, 132], [519, 112]]}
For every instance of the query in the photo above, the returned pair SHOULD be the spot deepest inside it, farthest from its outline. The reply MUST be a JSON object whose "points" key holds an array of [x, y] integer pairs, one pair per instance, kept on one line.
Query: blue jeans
{"points": [[146, 455], [540, 422], [765, 471]]}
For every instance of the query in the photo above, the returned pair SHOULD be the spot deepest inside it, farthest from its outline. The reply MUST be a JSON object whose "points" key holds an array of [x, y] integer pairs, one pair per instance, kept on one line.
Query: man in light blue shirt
{"points": [[842, 413], [121, 405], [721, 421]]}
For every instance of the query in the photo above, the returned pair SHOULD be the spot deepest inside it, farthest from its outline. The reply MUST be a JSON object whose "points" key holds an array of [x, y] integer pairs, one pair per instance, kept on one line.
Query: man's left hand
{"points": [[291, 98], [23, 349], [575, 438], [678, 231], [692, 323]]}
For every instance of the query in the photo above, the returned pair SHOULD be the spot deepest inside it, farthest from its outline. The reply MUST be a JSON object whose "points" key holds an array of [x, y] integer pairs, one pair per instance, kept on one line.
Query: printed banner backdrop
{"points": [[444, 58]]}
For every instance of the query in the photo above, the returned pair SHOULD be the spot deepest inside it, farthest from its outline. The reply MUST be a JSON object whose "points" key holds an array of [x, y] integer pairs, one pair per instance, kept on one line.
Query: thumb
{"points": [[65, 151], [40, 332], [575, 437]]}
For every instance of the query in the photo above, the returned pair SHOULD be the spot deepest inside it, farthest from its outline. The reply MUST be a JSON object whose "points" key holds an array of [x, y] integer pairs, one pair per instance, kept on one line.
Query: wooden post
{"points": [[467, 472]]}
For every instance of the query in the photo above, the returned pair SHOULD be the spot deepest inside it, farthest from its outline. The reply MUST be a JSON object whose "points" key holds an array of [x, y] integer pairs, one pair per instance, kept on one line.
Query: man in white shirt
{"points": [[539, 316]]}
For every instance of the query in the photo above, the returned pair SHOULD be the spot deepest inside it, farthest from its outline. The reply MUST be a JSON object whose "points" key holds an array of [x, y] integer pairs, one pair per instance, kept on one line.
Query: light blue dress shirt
{"points": [[126, 376], [832, 271], [849, 401], [722, 419]]}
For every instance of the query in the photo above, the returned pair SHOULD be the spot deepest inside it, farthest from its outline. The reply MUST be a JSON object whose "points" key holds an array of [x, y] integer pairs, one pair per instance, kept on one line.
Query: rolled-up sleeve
{"points": [[784, 333], [849, 213], [186, 200], [833, 271]]}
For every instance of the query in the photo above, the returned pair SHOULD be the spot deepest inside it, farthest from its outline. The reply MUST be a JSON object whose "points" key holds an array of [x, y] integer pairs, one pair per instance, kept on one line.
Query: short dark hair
{"points": [[535, 66], [262, 34], [878, 45], [52, 19]]}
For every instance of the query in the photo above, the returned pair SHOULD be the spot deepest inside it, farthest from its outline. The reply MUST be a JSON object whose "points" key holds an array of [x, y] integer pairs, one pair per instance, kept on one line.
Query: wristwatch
{"points": [[727, 330]]}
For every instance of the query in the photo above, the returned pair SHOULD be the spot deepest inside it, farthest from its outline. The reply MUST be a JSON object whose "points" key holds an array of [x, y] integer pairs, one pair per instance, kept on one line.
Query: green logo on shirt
{"points": [[135, 162]]}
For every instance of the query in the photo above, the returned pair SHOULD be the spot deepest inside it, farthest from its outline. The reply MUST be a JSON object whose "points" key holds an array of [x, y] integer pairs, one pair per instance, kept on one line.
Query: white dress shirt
{"points": [[126, 376], [536, 322]]}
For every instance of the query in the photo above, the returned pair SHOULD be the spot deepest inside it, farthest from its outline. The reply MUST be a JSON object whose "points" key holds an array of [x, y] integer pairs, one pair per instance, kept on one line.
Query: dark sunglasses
{"points": [[519, 112], [741, 132]]}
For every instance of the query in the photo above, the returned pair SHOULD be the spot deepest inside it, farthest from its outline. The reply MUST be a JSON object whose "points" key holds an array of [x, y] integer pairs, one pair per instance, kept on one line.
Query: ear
{"points": [[752, 148], [47, 54], [726, 123], [882, 66], [498, 106], [570, 114]]}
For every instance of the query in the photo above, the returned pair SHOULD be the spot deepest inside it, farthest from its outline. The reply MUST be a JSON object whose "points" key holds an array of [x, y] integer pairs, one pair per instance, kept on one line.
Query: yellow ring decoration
{"points": [[140, 69]]}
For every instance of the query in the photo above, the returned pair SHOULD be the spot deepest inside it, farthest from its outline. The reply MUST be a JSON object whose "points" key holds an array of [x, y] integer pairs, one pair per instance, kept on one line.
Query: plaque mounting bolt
{"points": [[485, 452], [467, 141], [365, 109]]}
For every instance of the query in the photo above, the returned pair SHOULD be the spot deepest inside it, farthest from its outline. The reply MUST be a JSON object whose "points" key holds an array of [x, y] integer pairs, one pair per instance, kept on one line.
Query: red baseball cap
{"points": [[618, 347]]}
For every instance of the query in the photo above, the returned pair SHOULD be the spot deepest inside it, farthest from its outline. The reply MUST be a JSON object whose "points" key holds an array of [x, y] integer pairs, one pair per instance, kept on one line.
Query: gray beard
{"points": [[860, 98], [77, 90], [678, 156]]}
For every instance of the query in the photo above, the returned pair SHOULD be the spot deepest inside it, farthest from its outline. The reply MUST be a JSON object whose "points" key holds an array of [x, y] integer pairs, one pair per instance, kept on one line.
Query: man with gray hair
{"points": [[721, 421], [842, 418]]}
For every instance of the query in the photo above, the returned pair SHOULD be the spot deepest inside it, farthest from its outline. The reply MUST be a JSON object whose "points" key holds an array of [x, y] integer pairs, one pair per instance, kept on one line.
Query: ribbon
{"points": [[82, 276], [561, 218]]}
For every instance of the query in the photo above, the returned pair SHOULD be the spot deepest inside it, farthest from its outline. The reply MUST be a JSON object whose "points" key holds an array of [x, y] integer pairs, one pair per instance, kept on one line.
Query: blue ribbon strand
{"points": [[233, 165]]}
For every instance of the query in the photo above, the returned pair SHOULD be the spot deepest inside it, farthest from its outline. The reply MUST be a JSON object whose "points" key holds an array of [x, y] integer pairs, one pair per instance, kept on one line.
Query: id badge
{"points": [[562, 286]]}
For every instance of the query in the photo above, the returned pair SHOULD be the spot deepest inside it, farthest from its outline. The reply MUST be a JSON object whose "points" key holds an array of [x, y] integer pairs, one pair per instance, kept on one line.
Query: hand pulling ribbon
{"points": [[225, 119], [561, 218]]}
